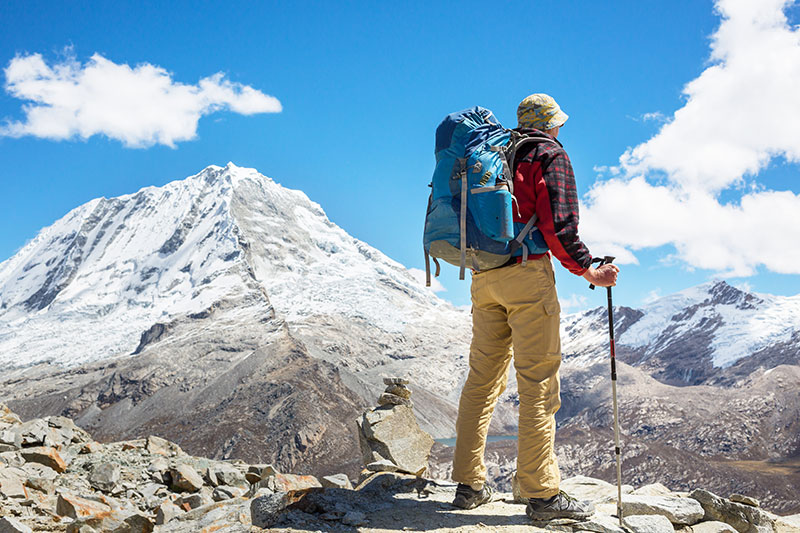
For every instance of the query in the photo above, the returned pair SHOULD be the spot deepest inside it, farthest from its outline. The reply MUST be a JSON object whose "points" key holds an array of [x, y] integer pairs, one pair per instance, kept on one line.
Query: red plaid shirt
{"points": [[545, 184]]}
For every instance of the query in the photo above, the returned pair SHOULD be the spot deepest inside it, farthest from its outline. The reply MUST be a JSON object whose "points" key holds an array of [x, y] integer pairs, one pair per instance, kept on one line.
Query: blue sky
{"points": [[362, 86]]}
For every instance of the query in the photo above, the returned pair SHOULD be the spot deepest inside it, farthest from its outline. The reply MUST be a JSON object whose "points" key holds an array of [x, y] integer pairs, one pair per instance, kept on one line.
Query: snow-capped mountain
{"points": [[188, 300], [692, 336]]}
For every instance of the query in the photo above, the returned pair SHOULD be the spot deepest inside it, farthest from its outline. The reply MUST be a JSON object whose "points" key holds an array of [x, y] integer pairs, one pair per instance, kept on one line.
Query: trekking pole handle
{"points": [[606, 260]]}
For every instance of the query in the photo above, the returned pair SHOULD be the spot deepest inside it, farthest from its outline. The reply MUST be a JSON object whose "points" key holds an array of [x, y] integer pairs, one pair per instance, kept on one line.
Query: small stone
{"points": [[256, 473], [132, 445], [336, 481], [354, 518], [384, 465], [393, 399], [91, 447], [399, 390], [395, 381], [159, 446], [224, 492], [11, 525], [166, 512], [104, 477], [746, 500], [265, 510], [77, 507], [185, 478], [46, 456], [648, 524]]}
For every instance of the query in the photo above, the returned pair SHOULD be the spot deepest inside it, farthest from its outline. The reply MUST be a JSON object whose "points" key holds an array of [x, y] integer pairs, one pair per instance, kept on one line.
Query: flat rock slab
{"points": [[12, 525], [46, 456], [680, 511], [648, 524], [590, 489], [185, 478]]}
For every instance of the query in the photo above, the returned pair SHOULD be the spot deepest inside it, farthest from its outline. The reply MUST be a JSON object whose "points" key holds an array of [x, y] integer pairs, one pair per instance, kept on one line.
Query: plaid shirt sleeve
{"points": [[558, 211]]}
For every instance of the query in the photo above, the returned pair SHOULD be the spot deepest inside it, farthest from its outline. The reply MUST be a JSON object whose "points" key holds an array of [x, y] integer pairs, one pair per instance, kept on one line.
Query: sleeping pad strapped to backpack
{"points": [[470, 218]]}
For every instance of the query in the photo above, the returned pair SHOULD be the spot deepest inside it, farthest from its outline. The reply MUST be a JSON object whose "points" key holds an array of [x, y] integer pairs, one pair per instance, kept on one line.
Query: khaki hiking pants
{"points": [[513, 306]]}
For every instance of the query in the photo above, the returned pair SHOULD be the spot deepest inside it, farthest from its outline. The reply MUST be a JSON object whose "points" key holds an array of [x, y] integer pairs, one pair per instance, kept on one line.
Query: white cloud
{"points": [[419, 276], [652, 296], [575, 301], [139, 106], [740, 113]]}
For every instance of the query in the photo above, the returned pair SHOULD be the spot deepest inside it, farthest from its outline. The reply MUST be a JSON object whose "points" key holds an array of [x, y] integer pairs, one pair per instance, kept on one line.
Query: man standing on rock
{"points": [[516, 306]]}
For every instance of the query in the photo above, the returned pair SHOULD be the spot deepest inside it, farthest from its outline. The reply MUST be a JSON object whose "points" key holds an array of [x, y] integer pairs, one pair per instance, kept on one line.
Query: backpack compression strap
{"points": [[463, 216]]}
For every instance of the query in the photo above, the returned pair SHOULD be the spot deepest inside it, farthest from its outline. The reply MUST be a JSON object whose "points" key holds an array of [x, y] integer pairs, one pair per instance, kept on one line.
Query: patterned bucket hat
{"points": [[540, 111]]}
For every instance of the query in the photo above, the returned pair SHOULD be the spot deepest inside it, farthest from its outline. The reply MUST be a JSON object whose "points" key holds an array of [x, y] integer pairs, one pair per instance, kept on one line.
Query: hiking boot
{"points": [[468, 498], [559, 506]]}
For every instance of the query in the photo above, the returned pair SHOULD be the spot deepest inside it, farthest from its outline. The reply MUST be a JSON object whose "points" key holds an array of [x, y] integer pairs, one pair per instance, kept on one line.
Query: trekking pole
{"points": [[604, 261]]}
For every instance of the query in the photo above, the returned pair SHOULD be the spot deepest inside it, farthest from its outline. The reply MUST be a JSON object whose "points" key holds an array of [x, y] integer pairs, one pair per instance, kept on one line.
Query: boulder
{"points": [[266, 509], [680, 511], [225, 474], [114, 522], [12, 483], [104, 476], [158, 446], [194, 500], [184, 478], [713, 526], [32, 432], [744, 518], [45, 455], [392, 432], [12, 525], [286, 483], [166, 512], [11, 439], [76, 507], [647, 524]]}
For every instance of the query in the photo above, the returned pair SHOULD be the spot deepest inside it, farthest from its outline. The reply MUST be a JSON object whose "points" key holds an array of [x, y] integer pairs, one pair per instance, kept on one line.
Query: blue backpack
{"points": [[470, 218]]}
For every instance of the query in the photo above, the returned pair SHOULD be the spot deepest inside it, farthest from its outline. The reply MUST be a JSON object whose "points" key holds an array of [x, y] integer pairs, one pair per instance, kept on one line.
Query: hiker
{"points": [[516, 306]]}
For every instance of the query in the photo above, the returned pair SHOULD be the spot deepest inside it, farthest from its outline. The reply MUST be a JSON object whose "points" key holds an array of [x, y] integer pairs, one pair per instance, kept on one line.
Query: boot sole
{"points": [[542, 516]]}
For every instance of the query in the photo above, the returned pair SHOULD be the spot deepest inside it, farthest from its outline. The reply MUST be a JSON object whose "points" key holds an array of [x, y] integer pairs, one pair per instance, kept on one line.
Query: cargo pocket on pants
{"points": [[552, 338]]}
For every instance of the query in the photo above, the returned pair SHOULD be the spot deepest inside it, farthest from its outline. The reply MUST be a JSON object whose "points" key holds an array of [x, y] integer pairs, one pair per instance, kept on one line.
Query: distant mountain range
{"points": [[229, 313]]}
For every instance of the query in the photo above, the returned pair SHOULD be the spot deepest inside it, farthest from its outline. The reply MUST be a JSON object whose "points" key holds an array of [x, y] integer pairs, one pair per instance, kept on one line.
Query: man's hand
{"points": [[604, 276]]}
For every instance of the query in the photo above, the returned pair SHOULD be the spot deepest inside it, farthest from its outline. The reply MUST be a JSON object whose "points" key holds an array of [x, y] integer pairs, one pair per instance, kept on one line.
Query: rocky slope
{"points": [[55, 477]]}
